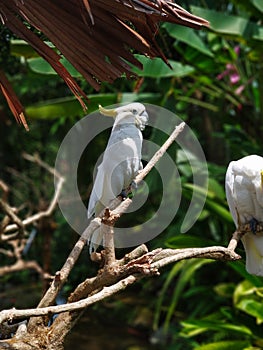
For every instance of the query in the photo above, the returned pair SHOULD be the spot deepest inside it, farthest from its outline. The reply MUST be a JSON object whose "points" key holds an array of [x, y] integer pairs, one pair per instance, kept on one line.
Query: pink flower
{"points": [[234, 78], [240, 89], [230, 71]]}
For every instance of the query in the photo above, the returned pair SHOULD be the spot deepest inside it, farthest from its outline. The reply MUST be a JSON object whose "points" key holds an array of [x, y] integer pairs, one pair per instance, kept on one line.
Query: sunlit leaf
{"points": [[225, 289], [258, 4], [249, 299], [189, 37], [39, 65], [225, 345], [21, 48], [156, 68], [228, 24], [259, 34], [193, 328]]}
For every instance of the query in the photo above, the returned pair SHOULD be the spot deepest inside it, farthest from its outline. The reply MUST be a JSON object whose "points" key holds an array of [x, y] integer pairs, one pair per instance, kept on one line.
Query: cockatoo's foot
{"points": [[253, 225], [123, 194], [133, 187]]}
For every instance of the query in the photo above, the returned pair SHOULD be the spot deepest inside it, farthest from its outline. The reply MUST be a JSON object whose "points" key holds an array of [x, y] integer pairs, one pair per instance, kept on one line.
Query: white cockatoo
{"points": [[121, 160], [244, 193]]}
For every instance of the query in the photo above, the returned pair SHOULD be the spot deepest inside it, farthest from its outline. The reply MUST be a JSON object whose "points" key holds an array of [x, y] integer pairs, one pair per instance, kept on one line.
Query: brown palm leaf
{"points": [[12, 100], [96, 36]]}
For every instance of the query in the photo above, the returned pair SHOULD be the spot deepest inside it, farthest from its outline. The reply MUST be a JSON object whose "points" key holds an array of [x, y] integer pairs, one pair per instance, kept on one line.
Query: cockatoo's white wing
{"points": [[121, 163], [97, 190], [229, 185], [244, 194]]}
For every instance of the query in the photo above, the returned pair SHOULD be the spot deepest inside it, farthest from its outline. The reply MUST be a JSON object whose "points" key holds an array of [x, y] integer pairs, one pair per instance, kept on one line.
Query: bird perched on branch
{"points": [[121, 160], [244, 192]]}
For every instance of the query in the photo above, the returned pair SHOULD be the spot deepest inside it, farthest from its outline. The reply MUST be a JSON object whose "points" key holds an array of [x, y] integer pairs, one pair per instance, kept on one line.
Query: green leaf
{"points": [[67, 107], [21, 48], [148, 97], [219, 209], [188, 36], [172, 274], [211, 201], [39, 65], [186, 273], [258, 36], [239, 267], [249, 299], [258, 4], [216, 188], [252, 308], [227, 24], [225, 289], [157, 68], [226, 345], [188, 241], [195, 327]]}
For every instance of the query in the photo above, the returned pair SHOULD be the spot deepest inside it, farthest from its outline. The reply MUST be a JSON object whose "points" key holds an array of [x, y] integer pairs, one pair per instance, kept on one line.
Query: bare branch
{"points": [[63, 274], [39, 215], [177, 131], [18, 224], [5, 190], [106, 292], [21, 265], [159, 259], [118, 207], [116, 274], [36, 159], [168, 256]]}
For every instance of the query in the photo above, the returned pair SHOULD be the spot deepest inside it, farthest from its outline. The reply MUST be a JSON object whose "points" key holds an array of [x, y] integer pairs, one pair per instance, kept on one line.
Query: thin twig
{"points": [[5, 190], [177, 131], [18, 223], [237, 235], [36, 159], [39, 215]]}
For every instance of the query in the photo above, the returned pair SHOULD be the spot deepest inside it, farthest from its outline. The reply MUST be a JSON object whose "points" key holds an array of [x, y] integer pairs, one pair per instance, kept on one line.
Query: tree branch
{"points": [[140, 267], [158, 155], [116, 274], [52, 204], [117, 207]]}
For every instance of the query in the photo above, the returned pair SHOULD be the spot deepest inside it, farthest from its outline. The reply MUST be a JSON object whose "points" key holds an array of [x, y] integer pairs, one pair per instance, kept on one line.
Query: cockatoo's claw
{"points": [[253, 225], [123, 194]]}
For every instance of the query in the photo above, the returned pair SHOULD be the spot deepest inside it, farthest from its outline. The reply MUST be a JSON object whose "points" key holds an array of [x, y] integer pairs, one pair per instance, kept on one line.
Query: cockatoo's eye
{"points": [[134, 111]]}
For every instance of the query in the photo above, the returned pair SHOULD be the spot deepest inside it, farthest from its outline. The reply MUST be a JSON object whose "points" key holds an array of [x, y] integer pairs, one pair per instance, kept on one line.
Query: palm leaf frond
{"points": [[95, 36]]}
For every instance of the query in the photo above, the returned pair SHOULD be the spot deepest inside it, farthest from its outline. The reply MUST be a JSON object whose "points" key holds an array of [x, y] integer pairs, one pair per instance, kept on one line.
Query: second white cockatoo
{"points": [[244, 193], [121, 160]]}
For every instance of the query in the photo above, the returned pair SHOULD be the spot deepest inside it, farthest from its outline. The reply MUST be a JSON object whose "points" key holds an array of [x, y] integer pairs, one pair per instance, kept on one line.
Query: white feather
{"points": [[244, 195], [121, 161]]}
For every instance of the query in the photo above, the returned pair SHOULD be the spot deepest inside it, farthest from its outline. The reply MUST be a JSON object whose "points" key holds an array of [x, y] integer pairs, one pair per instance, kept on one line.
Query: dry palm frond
{"points": [[96, 36], [12, 100]]}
